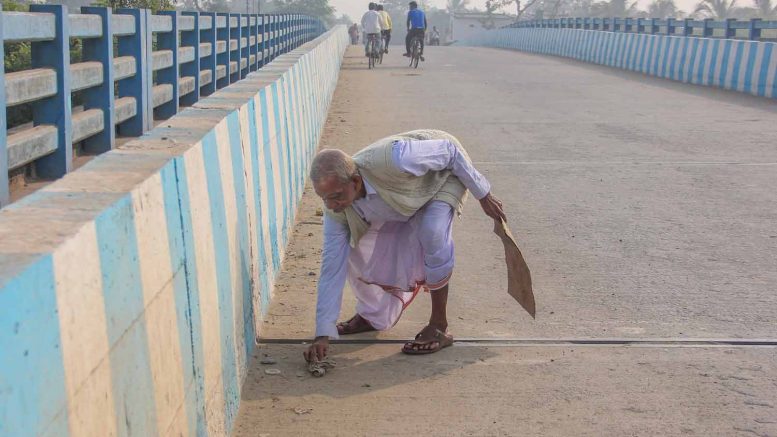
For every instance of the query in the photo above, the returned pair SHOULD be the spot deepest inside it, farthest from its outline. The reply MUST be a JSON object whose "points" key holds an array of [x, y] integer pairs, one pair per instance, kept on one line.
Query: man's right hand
{"points": [[318, 350]]}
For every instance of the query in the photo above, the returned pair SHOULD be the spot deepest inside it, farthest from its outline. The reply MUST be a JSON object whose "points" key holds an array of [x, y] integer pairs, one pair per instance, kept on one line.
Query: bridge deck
{"points": [[645, 208]]}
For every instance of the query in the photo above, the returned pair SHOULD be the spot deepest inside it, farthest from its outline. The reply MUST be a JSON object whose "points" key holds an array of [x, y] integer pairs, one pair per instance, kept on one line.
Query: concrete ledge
{"points": [[744, 66], [131, 290]]}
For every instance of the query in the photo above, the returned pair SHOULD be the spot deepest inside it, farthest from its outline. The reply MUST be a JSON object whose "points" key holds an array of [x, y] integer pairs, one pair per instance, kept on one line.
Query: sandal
{"points": [[354, 325], [439, 341]]}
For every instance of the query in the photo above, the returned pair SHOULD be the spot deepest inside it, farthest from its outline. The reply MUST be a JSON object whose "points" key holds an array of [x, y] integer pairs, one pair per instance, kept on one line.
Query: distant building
{"points": [[465, 25]]}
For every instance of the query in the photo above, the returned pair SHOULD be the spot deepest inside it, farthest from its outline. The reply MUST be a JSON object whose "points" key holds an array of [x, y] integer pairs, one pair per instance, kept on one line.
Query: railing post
{"points": [[169, 75], [209, 62], [753, 30], [191, 69], [670, 26], [628, 25], [234, 55], [57, 109], [4, 189], [243, 50], [273, 37], [138, 85], [101, 96], [706, 28], [688, 27], [653, 26], [641, 25], [254, 51], [262, 19], [222, 58], [728, 30]]}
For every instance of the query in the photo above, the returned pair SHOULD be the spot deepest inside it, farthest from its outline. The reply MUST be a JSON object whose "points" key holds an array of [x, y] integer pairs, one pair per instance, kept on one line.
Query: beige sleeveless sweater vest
{"points": [[404, 192]]}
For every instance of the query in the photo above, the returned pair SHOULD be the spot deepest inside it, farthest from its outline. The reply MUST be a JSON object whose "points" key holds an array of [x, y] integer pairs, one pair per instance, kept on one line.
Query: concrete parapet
{"points": [[744, 66], [131, 290]]}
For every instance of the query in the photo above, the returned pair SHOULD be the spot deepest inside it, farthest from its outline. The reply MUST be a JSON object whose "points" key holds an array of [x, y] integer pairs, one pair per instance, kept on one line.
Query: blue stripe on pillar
{"points": [[269, 184], [184, 300], [764, 73], [734, 81], [133, 385], [259, 209], [32, 386], [724, 62], [751, 57], [180, 194], [224, 273], [284, 162], [243, 234], [713, 61], [699, 77]]}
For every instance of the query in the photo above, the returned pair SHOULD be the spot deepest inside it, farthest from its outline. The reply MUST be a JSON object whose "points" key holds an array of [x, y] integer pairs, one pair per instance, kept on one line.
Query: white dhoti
{"points": [[395, 260]]}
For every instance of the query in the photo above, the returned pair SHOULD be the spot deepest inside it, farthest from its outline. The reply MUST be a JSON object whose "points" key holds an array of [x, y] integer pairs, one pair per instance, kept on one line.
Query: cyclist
{"points": [[416, 27], [371, 26], [385, 26]]}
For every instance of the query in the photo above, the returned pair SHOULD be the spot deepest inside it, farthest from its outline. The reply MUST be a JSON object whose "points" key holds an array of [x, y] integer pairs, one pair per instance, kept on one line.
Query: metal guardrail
{"points": [[670, 26], [136, 67]]}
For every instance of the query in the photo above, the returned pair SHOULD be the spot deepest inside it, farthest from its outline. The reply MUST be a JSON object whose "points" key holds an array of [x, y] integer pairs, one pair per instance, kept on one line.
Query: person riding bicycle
{"points": [[416, 27], [371, 26], [385, 26]]}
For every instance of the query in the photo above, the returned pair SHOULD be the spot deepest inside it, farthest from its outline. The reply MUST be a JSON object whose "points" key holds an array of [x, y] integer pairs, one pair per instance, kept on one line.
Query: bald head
{"points": [[332, 163]]}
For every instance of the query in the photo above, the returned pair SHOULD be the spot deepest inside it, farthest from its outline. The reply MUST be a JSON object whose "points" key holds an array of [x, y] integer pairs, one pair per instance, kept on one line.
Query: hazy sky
{"points": [[355, 8]]}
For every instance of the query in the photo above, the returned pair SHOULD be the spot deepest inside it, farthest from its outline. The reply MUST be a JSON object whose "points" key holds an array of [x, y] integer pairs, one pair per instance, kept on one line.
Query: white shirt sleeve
{"points": [[334, 265], [420, 156]]}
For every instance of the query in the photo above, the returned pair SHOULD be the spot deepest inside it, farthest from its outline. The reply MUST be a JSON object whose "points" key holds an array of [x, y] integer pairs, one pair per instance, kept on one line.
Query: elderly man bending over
{"points": [[388, 230]]}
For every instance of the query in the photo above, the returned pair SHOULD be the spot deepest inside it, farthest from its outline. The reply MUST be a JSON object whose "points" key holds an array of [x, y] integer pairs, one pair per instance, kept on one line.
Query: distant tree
{"points": [[315, 8], [453, 6], [717, 9], [663, 9], [766, 10], [154, 5], [343, 19], [615, 8]]}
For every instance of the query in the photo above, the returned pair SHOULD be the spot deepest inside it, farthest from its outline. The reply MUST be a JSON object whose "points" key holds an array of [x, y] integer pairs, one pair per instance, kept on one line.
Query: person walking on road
{"points": [[416, 27], [388, 232]]}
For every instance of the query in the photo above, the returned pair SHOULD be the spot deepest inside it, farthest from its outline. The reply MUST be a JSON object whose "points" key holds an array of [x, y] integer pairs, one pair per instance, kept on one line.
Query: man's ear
{"points": [[357, 181]]}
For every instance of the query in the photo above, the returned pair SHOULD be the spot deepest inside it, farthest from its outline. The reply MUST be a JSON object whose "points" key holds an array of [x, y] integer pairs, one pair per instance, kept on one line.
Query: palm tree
{"points": [[662, 9], [621, 8], [454, 6], [766, 10], [717, 9]]}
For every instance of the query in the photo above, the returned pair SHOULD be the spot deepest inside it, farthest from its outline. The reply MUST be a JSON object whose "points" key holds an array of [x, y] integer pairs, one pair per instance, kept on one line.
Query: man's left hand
{"points": [[493, 207]]}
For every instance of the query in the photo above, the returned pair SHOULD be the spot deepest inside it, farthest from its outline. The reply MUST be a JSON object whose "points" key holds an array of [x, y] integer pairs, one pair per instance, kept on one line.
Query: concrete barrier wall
{"points": [[131, 290], [745, 66]]}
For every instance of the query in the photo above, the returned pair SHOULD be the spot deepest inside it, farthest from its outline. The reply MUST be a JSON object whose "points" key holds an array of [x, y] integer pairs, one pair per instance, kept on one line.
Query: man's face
{"points": [[337, 195]]}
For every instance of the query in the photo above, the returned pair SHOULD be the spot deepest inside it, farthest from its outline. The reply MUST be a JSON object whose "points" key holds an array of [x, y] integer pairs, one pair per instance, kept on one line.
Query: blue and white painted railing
{"points": [[196, 53], [708, 28], [132, 289], [744, 66]]}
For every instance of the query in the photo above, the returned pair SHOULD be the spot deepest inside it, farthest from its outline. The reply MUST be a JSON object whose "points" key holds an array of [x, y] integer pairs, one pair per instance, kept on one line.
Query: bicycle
{"points": [[415, 51], [373, 46]]}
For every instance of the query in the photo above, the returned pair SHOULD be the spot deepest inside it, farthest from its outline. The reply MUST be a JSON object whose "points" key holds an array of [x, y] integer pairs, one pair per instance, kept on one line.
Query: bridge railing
{"points": [[708, 28], [135, 67]]}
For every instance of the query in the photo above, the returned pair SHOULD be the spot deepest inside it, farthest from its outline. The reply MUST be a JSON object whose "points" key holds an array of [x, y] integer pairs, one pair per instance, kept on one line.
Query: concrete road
{"points": [[645, 209]]}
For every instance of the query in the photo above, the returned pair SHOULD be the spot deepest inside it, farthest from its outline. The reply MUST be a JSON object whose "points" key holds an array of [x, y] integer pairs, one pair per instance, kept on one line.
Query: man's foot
{"points": [[421, 58], [428, 341], [354, 325], [407, 55], [385, 51]]}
